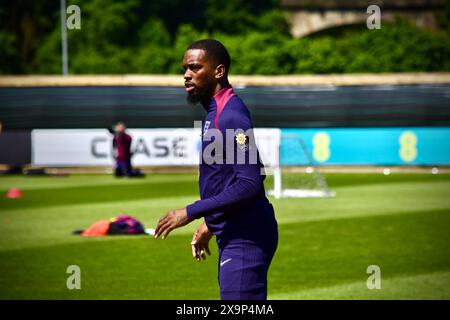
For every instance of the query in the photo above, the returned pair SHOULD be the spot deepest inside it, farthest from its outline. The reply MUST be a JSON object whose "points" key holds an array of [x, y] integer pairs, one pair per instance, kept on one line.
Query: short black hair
{"points": [[215, 51]]}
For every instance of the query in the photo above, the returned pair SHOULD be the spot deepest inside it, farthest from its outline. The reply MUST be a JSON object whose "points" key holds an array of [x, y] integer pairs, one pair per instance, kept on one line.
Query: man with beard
{"points": [[233, 201]]}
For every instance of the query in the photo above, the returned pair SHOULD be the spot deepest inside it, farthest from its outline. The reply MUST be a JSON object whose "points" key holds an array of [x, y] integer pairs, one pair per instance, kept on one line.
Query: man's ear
{"points": [[220, 71]]}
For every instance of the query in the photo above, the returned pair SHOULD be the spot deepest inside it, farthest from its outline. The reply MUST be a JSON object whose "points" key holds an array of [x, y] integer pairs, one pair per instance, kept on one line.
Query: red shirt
{"points": [[123, 145]]}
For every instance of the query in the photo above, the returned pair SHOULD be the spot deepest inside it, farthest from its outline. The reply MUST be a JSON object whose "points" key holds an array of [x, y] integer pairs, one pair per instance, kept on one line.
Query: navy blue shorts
{"points": [[123, 167], [243, 267]]}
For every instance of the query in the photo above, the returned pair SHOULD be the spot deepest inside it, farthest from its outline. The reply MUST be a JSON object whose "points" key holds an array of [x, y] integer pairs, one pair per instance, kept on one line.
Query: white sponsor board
{"points": [[77, 147], [150, 147]]}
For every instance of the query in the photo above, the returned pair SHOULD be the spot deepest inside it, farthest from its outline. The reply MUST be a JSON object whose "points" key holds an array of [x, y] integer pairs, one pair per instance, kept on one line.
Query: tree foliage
{"points": [[137, 36]]}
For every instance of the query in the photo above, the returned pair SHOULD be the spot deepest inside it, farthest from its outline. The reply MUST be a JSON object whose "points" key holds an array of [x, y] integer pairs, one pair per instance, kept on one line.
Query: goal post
{"points": [[303, 180]]}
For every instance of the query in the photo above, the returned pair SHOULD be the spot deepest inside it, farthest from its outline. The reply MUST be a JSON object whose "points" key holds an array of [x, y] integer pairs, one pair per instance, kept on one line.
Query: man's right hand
{"points": [[200, 242]]}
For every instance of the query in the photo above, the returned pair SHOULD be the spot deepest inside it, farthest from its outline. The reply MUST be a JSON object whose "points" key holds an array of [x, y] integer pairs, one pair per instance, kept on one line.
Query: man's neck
{"points": [[220, 86]]}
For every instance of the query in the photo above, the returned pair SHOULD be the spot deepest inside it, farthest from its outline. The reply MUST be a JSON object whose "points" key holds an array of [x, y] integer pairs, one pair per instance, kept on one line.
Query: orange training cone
{"points": [[14, 193]]}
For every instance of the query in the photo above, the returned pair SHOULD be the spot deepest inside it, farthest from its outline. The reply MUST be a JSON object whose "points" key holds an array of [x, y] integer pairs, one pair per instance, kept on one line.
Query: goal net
{"points": [[300, 180]]}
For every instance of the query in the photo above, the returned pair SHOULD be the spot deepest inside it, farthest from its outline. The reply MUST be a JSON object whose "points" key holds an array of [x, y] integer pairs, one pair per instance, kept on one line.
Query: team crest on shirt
{"points": [[206, 127], [242, 141]]}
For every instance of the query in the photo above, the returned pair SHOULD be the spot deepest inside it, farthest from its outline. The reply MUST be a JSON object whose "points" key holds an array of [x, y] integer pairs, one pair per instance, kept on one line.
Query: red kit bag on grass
{"points": [[120, 225], [100, 228]]}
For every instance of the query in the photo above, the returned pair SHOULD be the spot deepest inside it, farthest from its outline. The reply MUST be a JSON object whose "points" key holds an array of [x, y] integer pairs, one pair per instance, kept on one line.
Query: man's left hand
{"points": [[172, 220]]}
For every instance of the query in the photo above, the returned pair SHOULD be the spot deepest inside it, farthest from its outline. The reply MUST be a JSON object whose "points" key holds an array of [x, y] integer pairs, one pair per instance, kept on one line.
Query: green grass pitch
{"points": [[400, 222]]}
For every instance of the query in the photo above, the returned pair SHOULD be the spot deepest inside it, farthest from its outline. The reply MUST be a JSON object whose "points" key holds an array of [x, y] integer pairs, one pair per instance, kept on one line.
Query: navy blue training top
{"points": [[233, 200]]}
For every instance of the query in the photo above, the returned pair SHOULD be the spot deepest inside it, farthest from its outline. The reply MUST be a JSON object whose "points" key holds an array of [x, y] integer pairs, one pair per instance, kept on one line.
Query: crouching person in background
{"points": [[122, 151]]}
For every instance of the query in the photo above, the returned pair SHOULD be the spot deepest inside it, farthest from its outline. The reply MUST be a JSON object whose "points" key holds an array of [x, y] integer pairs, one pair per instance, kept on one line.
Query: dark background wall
{"points": [[15, 147], [284, 107]]}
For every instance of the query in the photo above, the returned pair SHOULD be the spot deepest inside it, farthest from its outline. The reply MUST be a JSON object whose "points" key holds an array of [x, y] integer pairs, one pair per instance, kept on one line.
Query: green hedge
{"points": [[396, 47], [134, 36]]}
